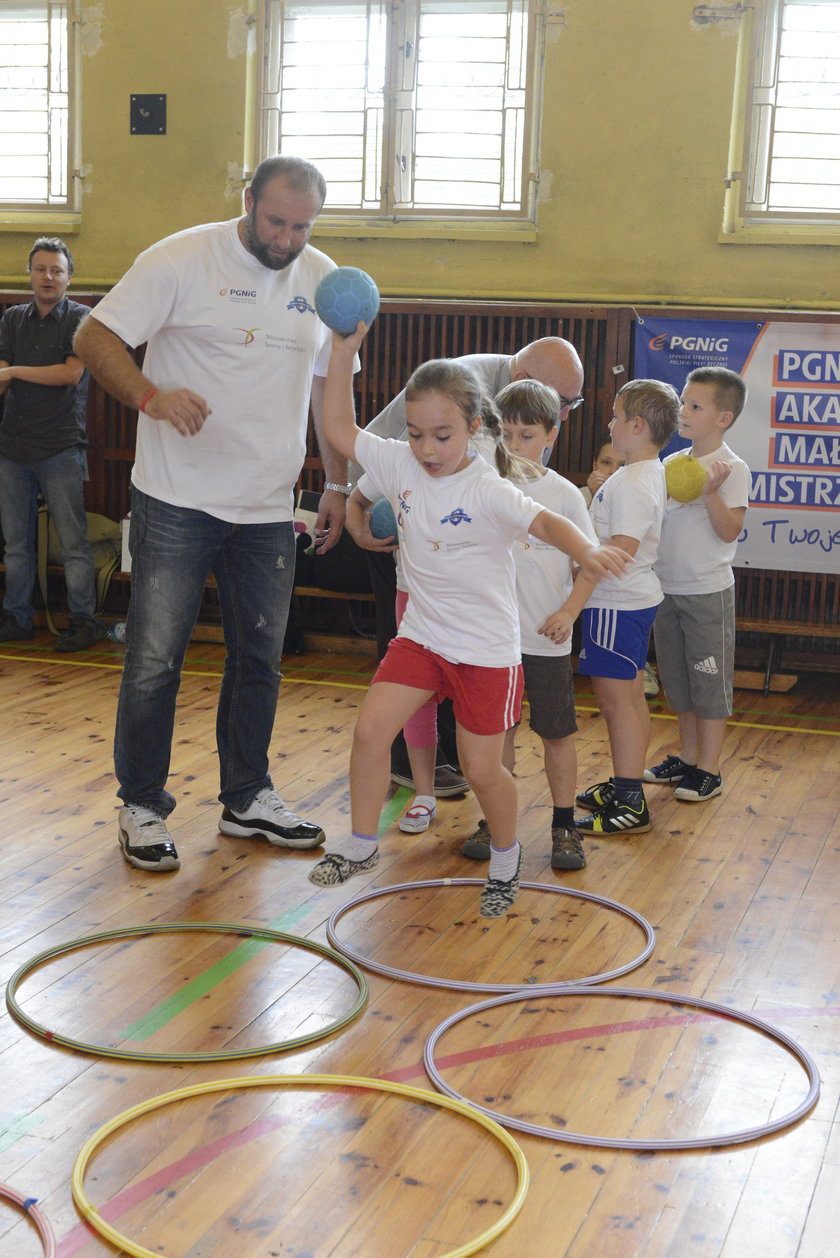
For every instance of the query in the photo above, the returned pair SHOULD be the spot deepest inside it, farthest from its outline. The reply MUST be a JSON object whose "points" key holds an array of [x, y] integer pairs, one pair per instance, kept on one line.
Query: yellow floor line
{"points": [[363, 685]]}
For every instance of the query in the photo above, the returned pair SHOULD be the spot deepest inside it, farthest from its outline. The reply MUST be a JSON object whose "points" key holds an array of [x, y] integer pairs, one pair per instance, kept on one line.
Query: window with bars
{"points": [[792, 169], [410, 108], [35, 104]]}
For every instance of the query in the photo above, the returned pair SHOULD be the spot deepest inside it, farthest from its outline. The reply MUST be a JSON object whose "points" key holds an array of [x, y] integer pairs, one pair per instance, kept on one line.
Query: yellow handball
{"points": [[685, 477]]}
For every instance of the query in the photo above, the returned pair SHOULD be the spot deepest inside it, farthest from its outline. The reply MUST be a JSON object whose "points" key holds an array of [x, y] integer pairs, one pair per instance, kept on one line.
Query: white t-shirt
{"points": [[245, 338], [631, 503], [456, 539], [543, 573], [692, 558]]}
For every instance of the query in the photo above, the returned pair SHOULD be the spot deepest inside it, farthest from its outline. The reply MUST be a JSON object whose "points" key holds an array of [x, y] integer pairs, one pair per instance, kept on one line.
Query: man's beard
{"points": [[262, 252]]}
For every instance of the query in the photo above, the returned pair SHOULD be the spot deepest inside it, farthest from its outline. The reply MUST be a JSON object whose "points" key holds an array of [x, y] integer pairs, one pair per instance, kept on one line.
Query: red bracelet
{"points": [[147, 399]]}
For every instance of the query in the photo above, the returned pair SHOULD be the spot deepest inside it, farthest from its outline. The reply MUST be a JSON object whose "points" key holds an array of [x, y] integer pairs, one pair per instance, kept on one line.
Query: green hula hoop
{"points": [[223, 928], [91, 1215]]}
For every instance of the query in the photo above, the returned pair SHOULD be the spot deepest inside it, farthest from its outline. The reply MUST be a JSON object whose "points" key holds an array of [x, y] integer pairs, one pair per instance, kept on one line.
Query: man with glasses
{"points": [[550, 360]]}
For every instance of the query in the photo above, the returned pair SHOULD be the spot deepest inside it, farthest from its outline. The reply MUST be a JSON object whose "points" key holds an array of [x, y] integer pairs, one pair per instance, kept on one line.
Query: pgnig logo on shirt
{"points": [[457, 516], [239, 295]]}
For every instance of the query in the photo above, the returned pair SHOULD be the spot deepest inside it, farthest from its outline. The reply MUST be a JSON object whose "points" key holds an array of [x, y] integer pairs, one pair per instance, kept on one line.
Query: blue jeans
{"points": [[173, 549], [61, 480]]}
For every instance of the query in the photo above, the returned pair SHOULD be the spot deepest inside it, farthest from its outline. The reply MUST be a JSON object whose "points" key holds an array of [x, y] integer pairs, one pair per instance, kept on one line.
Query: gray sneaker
{"points": [[145, 841], [477, 846]]}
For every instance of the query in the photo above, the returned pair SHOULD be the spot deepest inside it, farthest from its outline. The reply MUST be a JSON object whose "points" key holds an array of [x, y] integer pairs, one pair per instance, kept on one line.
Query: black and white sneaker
{"points": [[145, 841], [698, 785], [268, 816], [671, 769]]}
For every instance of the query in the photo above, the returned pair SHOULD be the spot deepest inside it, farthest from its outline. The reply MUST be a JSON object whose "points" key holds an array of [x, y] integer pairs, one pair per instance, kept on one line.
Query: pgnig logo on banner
{"points": [[690, 344]]}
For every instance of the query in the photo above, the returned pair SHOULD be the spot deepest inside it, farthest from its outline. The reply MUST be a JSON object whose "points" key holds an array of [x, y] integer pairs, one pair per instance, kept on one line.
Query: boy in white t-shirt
{"points": [[628, 509], [694, 629], [530, 414]]}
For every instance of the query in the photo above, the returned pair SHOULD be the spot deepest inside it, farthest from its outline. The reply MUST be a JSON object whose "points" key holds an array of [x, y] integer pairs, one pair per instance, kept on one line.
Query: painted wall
{"points": [[635, 139]]}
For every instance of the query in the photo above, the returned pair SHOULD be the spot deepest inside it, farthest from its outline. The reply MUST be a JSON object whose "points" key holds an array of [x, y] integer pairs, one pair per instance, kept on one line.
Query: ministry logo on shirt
{"points": [[457, 516]]}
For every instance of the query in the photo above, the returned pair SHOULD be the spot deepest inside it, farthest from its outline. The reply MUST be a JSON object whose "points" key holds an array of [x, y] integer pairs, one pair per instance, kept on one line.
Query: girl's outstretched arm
{"points": [[594, 561], [339, 406]]}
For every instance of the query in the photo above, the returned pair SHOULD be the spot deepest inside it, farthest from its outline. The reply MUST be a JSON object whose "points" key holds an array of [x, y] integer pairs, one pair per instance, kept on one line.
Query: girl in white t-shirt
{"points": [[457, 521]]}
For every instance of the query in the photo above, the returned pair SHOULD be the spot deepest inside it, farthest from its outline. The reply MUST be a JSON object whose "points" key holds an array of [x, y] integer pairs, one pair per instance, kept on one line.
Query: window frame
{"points": [[65, 212], [749, 149], [467, 223]]}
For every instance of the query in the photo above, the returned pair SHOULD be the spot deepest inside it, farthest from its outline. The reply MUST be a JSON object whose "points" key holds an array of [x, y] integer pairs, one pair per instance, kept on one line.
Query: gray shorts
{"points": [[695, 652], [549, 685]]}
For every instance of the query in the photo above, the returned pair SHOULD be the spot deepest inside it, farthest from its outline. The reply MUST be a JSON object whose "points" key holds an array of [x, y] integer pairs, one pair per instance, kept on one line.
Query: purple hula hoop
{"points": [[606, 1142], [410, 976]]}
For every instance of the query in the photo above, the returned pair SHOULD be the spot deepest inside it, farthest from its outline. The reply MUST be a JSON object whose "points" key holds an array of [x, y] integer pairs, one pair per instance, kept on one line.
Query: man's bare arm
{"points": [[105, 356]]}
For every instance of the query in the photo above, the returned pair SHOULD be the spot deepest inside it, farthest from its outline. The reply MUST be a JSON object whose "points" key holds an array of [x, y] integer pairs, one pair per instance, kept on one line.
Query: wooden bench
{"points": [[777, 631]]}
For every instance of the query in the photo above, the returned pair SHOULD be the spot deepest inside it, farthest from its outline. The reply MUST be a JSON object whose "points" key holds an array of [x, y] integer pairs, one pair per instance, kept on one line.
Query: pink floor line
{"points": [[162, 1180]]}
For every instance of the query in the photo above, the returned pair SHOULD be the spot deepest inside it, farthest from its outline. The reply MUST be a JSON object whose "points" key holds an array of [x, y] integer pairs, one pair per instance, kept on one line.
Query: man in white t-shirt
{"points": [[235, 353]]}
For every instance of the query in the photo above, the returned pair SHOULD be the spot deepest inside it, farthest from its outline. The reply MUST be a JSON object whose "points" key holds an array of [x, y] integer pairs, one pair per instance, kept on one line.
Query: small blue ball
{"points": [[345, 297], [382, 522]]}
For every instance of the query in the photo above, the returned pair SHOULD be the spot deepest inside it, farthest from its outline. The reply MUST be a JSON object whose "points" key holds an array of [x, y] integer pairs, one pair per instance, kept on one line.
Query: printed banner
{"points": [[788, 434]]}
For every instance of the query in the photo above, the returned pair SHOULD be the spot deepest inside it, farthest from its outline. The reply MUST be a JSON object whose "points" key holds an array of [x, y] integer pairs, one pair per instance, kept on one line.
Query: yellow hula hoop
{"points": [[162, 928], [92, 1216]]}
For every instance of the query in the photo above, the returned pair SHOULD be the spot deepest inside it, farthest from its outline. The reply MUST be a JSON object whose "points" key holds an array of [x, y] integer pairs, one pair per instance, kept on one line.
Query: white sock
{"points": [[355, 847], [504, 862], [428, 801]]}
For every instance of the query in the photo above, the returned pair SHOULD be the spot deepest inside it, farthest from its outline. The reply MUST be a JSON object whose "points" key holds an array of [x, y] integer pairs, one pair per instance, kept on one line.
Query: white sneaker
{"points": [[145, 841], [268, 816], [417, 819], [650, 682]]}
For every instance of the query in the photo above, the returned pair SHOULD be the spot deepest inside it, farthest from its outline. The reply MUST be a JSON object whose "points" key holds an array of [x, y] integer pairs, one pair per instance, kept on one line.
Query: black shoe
{"points": [[697, 785], [597, 796], [79, 635], [672, 769], [12, 630]]}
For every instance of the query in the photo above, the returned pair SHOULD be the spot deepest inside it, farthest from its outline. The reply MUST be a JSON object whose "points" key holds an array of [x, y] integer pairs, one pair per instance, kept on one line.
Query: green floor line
{"points": [[393, 807], [20, 1125], [168, 1009]]}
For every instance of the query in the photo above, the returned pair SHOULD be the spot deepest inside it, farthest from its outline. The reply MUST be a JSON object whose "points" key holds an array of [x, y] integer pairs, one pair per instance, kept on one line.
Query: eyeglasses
{"points": [[571, 403]]}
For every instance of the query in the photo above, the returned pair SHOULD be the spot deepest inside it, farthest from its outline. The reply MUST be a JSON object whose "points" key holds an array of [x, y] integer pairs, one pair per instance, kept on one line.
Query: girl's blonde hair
{"points": [[461, 385]]}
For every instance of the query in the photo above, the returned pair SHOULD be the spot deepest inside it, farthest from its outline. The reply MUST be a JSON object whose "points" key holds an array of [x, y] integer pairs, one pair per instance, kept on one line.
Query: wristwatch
{"points": [[339, 489]]}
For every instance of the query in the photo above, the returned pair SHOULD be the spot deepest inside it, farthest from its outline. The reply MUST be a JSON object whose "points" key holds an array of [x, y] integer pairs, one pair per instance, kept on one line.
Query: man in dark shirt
{"points": [[42, 446]]}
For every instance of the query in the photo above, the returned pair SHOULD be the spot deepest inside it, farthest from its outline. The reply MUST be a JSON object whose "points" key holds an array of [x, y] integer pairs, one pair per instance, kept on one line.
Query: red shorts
{"points": [[485, 700]]}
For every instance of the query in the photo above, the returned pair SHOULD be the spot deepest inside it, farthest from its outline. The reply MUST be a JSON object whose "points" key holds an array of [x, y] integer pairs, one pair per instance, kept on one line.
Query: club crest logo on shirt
{"points": [[301, 305], [457, 516]]}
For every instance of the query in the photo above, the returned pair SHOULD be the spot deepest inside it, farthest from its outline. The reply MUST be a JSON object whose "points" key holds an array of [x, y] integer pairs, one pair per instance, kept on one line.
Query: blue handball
{"points": [[344, 297], [382, 522]]}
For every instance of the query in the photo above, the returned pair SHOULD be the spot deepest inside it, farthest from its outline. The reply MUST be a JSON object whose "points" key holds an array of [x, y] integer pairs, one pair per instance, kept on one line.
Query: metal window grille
{"points": [[412, 108], [793, 170], [35, 104]]}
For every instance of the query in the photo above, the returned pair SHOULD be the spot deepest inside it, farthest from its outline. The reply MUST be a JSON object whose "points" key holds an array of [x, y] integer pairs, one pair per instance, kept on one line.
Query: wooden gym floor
{"points": [[743, 894]]}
